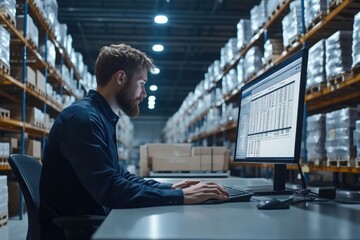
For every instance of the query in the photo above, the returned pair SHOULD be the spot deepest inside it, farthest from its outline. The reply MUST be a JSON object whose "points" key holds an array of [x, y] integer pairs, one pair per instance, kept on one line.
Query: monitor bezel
{"points": [[303, 53]]}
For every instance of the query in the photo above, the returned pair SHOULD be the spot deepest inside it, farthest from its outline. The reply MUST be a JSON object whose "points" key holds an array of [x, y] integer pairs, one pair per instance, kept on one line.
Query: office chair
{"points": [[27, 171]]}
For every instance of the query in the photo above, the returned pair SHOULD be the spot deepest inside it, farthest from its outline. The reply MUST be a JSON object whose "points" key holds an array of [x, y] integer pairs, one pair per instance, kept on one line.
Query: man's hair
{"points": [[120, 57]]}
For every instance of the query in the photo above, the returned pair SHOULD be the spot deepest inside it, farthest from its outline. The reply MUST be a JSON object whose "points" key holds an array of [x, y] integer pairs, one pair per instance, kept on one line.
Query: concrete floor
{"points": [[15, 229]]}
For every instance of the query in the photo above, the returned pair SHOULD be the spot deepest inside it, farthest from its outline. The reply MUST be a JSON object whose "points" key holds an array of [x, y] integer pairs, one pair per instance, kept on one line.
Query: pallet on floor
{"points": [[340, 162], [4, 218]]}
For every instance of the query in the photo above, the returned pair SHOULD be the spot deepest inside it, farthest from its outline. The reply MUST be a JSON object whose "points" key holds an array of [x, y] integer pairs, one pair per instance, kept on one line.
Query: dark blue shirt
{"points": [[81, 173]]}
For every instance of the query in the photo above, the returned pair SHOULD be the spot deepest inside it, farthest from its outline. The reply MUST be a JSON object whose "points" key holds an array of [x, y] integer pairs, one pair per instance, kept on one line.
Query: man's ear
{"points": [[120, 77]]}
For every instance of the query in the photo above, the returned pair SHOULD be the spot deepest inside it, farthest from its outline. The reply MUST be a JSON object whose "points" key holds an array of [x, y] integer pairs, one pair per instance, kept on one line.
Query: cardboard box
{"points": [[205, 157], [40, 81], [144, 163], [16, 72], [168, 150], [220, 159], [33, 148], [33, 115], [190, 163], [14, 189]]}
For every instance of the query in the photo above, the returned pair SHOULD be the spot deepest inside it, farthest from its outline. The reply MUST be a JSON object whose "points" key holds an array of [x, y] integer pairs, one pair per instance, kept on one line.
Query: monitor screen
{"points": [[271, 113]]}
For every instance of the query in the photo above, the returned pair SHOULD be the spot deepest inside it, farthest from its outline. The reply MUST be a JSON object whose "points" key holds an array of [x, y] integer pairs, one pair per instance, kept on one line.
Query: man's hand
{"points": [[185, 184], [204, 191]]}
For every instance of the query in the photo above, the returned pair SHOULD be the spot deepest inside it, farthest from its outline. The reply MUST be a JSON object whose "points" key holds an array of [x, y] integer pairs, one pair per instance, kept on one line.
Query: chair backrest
{"points": [[27, 171]]}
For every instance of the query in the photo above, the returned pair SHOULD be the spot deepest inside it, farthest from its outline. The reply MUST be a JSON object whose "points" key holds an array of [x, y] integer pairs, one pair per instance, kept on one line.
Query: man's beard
{"points": [[128, 105]]}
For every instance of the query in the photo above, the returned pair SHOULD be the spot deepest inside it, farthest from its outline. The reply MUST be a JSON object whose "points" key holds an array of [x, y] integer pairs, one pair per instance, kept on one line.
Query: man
{"points": [[81, 173]]}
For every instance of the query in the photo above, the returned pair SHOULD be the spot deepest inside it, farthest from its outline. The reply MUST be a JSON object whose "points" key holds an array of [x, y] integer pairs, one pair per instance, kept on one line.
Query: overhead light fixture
{"points": [[153, 88], [151, 106], [158, 48], [161, 19], [152, 99], [156, 71]]}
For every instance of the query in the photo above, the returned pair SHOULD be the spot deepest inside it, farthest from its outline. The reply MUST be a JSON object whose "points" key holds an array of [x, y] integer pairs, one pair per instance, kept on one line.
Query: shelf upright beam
{"points": [[43, 138], [23, 100]]}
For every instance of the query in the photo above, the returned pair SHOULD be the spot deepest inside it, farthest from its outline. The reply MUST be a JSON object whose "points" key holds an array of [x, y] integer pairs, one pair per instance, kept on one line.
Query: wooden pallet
{"points": [[340, 162], [319, 16], [276, 9], [31, 86], [335, 80], [4, 113], [355, 70], [294, 42], [316, 162], [315, 88], [357, 162], [4, 218], [333, 4], [4, 68], [39, 124], [7, 15]]}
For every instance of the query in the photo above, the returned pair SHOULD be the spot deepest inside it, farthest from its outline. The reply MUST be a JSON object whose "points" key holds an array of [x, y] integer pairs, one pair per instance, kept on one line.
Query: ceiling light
{"points": [[152, 98], [151, 106], [160, 19], [156, 71], [158, 48], [153, 88]]}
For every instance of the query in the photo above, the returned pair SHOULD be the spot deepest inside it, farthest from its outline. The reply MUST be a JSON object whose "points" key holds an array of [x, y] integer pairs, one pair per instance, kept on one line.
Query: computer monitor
{"points": [[270, 121]]}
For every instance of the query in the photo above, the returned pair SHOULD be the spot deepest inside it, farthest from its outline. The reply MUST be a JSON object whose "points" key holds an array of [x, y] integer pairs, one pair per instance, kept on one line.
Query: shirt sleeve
{"points": [[153, 183], [84, 144]]}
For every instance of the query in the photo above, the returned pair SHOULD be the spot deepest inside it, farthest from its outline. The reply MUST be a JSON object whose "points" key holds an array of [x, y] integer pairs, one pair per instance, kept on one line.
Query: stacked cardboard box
{"points": [[182, 157]]}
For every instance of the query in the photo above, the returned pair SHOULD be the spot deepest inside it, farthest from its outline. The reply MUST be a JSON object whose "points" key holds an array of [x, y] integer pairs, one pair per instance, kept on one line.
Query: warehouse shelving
{"points": [[341, 93], [21, 93]]}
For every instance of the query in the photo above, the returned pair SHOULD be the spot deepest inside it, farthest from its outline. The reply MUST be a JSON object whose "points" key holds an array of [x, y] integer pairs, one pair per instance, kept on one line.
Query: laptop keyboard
{"points": [[236, 194]]}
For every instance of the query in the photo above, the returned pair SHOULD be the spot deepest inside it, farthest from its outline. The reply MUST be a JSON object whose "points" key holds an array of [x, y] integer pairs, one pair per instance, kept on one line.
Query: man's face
{"points": [[133, 92]]}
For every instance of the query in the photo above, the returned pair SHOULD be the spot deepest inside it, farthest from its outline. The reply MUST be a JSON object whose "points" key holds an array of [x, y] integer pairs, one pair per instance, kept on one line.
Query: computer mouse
{"points": [[272, 204]]}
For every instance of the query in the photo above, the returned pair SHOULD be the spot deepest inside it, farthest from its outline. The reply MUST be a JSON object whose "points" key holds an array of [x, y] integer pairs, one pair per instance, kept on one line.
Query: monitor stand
{"points": [[279, 184]]}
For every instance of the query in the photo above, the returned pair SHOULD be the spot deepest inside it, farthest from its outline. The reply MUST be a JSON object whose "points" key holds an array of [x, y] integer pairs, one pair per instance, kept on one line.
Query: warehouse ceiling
{"points": [[192, 38]]}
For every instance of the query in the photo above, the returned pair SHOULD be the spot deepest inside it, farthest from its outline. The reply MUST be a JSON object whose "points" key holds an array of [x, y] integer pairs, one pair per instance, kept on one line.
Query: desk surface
{"points": [[326, 220]]}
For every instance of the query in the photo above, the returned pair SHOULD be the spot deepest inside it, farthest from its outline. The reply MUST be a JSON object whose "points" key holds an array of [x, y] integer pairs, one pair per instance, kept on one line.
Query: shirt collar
{"points": [[103, 105]]}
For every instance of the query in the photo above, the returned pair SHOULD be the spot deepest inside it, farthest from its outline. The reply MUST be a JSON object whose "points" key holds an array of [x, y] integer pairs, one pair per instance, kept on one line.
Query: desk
{"points": [[326, 220]]}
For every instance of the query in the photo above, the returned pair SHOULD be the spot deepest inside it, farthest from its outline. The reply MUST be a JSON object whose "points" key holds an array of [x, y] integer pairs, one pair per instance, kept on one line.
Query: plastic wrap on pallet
{"points": [[32, 32], [51, 53], [338, 53], [231, 49], [4, 46], [316, 72], [341, 148], [51, 9], [273, 47], [339, 133], [343, 118], [8, 6], [229, 82], [316, 122], [292, 23], [243, 33], [240, 71], [258, 16], [357, 138], [313, 8], [272, 5], [4, 195], [356, 41], [315, 142], [357, 125], [60, 32], [252, 62]]}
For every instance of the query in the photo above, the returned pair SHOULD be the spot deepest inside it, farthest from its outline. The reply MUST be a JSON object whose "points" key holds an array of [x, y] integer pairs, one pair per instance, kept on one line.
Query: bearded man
{"points": [[81, 172]]}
